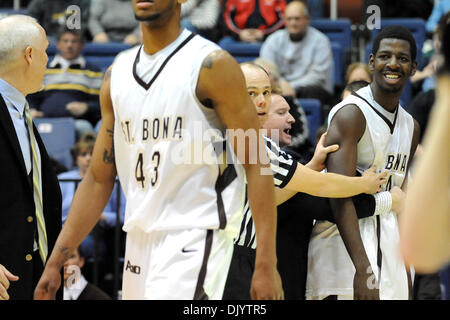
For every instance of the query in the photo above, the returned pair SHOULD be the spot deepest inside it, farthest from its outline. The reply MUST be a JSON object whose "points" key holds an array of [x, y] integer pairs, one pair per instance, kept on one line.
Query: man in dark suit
{"points": [[30, 198]]}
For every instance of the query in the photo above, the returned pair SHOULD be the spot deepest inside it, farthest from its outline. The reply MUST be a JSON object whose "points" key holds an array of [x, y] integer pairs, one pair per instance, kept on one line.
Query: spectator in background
{"points": [[358, 71], [201, 16], [422, 104], [279, 84], [428, 75], [353, 87], [82, 153], [302, 54], [52, 15], [113, 21], [439, 10], [76, 287], [71, 85], [252, 20]]}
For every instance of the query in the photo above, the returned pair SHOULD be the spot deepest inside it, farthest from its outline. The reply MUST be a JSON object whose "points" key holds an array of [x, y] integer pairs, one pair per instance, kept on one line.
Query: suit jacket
{"points": [[18, 227], [92, 292]]}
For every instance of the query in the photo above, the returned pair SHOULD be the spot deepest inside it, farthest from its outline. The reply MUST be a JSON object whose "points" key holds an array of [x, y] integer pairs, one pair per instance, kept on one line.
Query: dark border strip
{"points": [[379, 254], [141, 82], [223, 181], [200, 293]]}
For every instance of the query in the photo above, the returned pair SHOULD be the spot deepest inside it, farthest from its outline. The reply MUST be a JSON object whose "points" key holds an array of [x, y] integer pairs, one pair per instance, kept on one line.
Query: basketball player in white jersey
{"points": [[361, 260], [180, 217]]}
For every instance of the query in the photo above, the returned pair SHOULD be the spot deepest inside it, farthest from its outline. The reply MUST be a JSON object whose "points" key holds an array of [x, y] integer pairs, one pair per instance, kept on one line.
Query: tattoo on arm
{"points": [[65, 252], [207, 63], [108, 156]]}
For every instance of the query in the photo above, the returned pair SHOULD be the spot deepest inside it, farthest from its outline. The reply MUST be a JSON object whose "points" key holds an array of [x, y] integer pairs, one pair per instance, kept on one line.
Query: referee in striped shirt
{"points": [[284, 168]]}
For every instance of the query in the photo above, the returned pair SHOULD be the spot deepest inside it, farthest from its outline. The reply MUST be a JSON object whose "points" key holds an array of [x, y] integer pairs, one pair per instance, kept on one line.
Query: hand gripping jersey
{"points": [[387, 145], [168, 146]]}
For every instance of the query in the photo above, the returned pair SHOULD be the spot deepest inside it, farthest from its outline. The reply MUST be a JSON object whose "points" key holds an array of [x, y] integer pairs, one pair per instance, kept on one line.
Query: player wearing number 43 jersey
{"points": [[165, 107], [168, 185]]}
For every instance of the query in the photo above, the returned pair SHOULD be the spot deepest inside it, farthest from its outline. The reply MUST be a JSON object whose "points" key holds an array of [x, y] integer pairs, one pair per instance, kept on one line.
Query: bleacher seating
{"points": [[100, 54], [338, 63], [241, 51], [340, 35], [313, 111], [338, 30], [58, 135], [4, 12]]}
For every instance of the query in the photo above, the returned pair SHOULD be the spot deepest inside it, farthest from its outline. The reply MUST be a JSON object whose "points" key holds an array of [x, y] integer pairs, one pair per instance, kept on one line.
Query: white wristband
{"points": [[383, 203]]}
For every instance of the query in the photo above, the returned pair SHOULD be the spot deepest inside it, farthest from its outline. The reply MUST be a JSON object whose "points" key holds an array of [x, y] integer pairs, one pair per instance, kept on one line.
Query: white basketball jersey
{"points": [[167, 144], [386, 145]]}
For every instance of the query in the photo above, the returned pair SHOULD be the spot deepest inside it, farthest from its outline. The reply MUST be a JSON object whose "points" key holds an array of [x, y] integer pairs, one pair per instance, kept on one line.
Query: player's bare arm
{"points": [[346, 128], [331, 185], [89, 200], [222, 85], [307, 179]]}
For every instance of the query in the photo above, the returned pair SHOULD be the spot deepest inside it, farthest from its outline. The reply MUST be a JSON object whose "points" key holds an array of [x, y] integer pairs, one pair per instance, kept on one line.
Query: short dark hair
{"points": [[64, 29], [443, 22], [87, 141], [356, 85], [396, 32]]}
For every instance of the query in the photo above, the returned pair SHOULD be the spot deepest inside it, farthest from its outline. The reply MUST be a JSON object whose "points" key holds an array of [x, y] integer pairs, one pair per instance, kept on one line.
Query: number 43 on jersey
{"points": [[152, 177]]}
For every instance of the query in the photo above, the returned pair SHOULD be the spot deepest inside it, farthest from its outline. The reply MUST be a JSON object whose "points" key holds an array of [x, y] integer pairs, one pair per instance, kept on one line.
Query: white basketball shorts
{"points": [[176, 264]]}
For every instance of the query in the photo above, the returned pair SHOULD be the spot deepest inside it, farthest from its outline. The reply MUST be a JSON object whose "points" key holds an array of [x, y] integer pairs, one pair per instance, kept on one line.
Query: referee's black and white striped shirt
{"points": [[283, 167]]}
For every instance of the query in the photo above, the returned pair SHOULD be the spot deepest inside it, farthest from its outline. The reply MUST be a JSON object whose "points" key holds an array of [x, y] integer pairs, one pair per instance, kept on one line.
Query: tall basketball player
{"points": [[371, 128], [181, 216]]}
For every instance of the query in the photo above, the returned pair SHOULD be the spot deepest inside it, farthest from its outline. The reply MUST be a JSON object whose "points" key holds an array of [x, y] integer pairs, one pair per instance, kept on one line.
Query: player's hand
{"points": [[266, 283], [398, 199], [373, 181], [321, 152], [365, 285], [48, 284], [5, 278]]}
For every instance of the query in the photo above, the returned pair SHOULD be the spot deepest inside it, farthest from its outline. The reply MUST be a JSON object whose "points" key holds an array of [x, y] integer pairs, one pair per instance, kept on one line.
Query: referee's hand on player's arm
{"points": [[48, 284], [5, 278]]}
